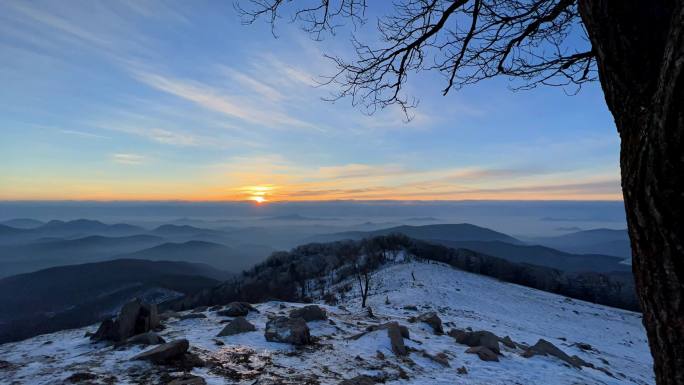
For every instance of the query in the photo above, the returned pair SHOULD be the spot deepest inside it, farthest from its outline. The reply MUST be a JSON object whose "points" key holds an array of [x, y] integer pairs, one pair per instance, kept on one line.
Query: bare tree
{"points": [[634, 47], [363, 275]]}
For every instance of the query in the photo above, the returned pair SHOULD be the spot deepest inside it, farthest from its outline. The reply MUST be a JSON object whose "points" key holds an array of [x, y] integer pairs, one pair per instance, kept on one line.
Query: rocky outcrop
{"points": [[482, 338], [309, 313], [396, 339], [134, 318], [236, 326], [431, 319], [165, 353], [288, 330], [546, 348], [484, 353]]}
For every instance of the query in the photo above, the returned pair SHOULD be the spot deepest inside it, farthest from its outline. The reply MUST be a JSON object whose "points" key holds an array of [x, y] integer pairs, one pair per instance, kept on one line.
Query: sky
{"points": [[146, 100]]}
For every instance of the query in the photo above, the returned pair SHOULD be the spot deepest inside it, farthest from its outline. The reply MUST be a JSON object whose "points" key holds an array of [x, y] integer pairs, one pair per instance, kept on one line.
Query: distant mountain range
{"points": [[48, 252], [76, 295], [501, 245], [214, 254], [445, 232], [599, 241]]}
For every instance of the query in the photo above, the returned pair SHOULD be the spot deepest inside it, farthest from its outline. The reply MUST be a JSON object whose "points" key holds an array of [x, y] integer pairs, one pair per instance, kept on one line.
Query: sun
{"points": [[258, 199], [258, 194]]}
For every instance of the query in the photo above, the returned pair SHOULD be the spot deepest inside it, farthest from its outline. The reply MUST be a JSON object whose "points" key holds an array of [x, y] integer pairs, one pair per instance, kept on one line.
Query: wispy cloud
{"points": [[129, 159], [83, 134], [216, 100]]}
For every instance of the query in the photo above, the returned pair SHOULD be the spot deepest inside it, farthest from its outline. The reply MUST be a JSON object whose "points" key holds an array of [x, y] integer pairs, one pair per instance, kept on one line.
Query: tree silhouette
{"points": [[635, 48]]}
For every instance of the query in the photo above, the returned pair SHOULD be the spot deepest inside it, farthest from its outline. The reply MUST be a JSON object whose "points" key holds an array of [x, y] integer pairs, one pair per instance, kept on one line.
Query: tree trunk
{"points": [[639, 47]]}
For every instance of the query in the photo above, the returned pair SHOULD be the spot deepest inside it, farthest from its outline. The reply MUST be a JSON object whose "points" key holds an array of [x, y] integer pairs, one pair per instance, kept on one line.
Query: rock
{"points": [[379, 355], [236, 309], [193, 315], [507, 341], [462, 370], [288, 330], [165, 352], [359, 380], [403, 329], [188, 379], [484, 353], [396, 339], [200, 309], [80, 377], [219, 342], [544, 348], [584, 346], [134, 318], [440, 358], [411, 307], [482, 338], [236, 326], [149, 338], [216, 307], [6, 365], [309, 313], [431, 319]]}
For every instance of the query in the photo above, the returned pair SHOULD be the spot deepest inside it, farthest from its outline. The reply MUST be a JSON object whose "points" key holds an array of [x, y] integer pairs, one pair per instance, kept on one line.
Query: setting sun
{"points": [[258, 194]]}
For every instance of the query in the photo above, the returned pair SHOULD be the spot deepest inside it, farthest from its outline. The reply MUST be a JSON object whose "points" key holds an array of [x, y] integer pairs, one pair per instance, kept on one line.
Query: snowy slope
{"points": [[461, 299]]}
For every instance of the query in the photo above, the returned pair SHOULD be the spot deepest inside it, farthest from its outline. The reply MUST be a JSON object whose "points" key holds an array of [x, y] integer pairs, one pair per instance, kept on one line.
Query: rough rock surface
{"points": [[484, 353], [165, 352], [134, 318], [431, 319], [544, 348], [289, 330], [396, 339], [482, 338], [236, 326], [309, 313]]}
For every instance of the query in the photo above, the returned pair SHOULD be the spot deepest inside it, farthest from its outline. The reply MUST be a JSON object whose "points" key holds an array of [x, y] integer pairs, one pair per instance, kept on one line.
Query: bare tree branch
{"points": [[532, 42]]}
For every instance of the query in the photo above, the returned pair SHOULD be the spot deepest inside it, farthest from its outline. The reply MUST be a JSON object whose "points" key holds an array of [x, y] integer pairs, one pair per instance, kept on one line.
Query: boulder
{"points": [[482, 338], [484, 353], [546, 348], [134, 318], [166, 352], [431, 319], [236, 326], [359, 380], [403, 329], [236, 309], [396, 339], [288, 330], [149, 338], [309, 313]]}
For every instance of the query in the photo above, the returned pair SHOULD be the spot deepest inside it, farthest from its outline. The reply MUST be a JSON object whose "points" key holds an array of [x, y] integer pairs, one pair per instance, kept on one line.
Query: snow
{"points": [[461, 300]]}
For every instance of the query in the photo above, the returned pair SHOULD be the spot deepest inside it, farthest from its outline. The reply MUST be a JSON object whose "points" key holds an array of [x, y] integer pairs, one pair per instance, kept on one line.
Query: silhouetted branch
{"points": [[534, 41]]}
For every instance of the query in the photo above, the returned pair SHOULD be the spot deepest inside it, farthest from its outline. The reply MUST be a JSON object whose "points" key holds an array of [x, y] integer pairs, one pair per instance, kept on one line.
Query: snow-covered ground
{"points": [[461, 300]]}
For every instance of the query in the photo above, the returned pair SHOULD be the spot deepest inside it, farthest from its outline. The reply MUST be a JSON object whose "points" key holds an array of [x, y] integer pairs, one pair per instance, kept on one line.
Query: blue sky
{"points": [[179, 100]]}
